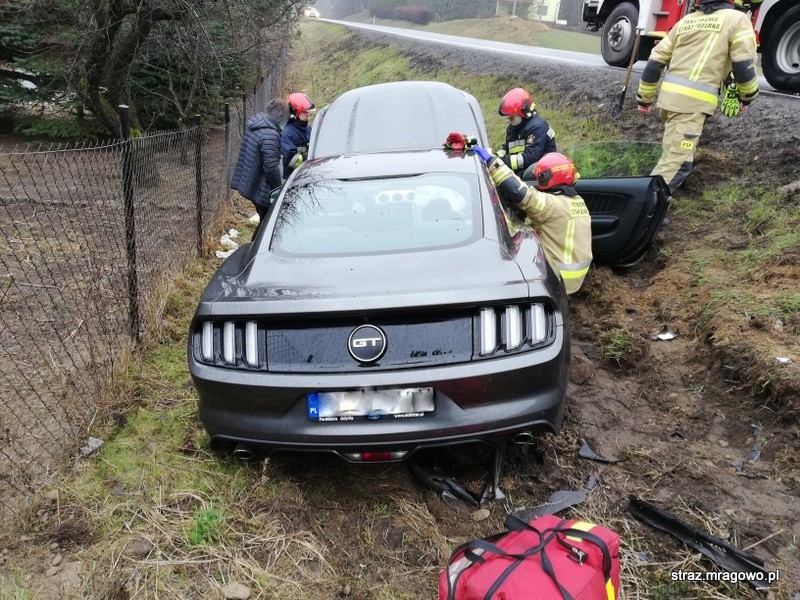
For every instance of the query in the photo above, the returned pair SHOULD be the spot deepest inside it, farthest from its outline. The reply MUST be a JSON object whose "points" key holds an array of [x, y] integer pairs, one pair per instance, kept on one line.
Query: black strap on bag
{"points": [[589, 537], [518, 556], [547, 567], [514, 523]]}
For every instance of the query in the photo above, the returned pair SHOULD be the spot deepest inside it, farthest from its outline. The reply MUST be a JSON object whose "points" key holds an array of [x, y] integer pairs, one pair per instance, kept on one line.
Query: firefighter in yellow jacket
{"points": [[699, 53], [558, 214]]}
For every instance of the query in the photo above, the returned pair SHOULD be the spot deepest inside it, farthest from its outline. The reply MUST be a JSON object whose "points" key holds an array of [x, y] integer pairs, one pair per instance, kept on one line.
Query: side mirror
{"points": [[273, 195]]}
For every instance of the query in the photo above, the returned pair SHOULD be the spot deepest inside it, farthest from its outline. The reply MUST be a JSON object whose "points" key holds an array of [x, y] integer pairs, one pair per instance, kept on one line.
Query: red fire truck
{"points": [[777, 25]]}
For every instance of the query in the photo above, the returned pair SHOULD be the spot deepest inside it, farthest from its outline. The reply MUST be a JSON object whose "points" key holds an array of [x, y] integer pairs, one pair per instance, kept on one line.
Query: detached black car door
{"points": [[626, 215]]}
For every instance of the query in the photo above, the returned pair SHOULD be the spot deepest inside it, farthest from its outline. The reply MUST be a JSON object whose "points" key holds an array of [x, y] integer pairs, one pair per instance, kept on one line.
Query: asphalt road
{"points": [[564, 56]]}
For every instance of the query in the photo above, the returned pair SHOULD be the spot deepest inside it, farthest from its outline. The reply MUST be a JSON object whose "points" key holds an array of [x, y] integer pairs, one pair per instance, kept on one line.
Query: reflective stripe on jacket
{"points": [[564, 226], [699, 51], [297, 133]]}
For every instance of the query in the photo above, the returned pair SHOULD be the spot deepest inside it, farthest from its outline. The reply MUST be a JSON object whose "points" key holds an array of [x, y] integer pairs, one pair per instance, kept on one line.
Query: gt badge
{"points": [[530, 139], [367, 343]]}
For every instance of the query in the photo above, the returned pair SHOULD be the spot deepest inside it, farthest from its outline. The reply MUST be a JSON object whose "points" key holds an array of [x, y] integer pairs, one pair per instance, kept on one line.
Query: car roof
{"points": [[385, 164], [402, 115]]}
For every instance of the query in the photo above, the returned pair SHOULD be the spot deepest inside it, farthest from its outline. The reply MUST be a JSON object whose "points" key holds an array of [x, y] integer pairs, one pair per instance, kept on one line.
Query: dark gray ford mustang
{"points": [[389, 302]]}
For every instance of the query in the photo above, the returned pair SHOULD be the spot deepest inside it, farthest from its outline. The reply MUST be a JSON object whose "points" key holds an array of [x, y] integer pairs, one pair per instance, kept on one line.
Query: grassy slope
{"points": [[504, 29], [306, 529]]}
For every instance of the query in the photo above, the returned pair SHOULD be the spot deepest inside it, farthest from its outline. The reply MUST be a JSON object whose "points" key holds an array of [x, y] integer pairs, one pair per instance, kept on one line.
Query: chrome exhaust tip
{"points": [[243, 453], [523, 437]]}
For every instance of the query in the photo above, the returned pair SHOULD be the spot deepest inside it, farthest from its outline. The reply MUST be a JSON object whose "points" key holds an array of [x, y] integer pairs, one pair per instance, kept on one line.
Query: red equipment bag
{"points": [[548, 558]]}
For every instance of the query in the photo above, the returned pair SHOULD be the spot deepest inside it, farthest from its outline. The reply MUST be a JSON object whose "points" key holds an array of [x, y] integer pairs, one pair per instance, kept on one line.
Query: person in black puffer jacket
{"points": [[258, 168]]}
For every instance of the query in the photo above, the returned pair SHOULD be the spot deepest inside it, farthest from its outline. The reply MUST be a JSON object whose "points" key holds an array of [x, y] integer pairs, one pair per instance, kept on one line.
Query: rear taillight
{"points": [[230, 344], [488, 331], [251, 343], [513, 328], [207, 342]]}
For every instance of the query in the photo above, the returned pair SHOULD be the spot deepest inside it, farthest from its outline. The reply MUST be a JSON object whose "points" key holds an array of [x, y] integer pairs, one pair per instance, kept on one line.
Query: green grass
{"points": [[780, 305], [11, 589], [750, 229], [611, 158], [618, 345], [207, 526]]}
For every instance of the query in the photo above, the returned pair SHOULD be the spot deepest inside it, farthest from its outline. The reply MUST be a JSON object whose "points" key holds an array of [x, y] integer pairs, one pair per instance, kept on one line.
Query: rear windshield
{"points": [[374, 216]]}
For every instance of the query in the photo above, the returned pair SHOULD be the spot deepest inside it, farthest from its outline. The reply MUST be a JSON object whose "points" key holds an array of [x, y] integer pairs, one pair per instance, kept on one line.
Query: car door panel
{"points": [[626, 215]]}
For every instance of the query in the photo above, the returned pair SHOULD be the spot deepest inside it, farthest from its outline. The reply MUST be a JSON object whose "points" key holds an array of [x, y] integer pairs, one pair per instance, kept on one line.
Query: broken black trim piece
{"points": [[718, 551]]}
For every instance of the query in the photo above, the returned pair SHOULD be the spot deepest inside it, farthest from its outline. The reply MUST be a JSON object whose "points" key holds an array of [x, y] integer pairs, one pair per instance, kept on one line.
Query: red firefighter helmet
{"points": [[299, 102], [554, 169], [516, 102]]}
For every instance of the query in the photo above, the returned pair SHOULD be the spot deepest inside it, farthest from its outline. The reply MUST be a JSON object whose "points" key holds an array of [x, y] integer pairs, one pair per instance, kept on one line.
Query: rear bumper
{"points": [[481, 401]]}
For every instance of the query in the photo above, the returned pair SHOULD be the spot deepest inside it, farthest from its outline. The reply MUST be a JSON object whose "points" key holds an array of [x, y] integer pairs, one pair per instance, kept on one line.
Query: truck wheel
{"points": [[780, 52], [619, 33]]}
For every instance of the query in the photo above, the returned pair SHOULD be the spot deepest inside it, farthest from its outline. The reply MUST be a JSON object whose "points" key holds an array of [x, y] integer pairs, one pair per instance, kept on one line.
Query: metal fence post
{"points": [[130, 221], [227, 171], [198, 179], [244, 112]]}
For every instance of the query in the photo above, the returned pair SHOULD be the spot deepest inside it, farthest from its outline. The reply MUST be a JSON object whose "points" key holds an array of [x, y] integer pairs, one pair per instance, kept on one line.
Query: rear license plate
{"points": [[372, 404]]}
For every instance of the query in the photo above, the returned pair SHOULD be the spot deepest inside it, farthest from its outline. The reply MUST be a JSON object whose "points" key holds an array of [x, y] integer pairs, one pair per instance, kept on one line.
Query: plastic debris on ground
{"points": [[755, 453], [665, 334], [255, 218], [558, 501], [783, 360], [91, 445], [739, 468], [720, 552], [227, 242], [226, 254], [448, 487], [233, 233], [451, 491], [587, 452]]}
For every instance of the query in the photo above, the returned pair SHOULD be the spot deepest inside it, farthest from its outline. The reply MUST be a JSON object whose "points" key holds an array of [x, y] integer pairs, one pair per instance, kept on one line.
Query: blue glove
{"points": [[482, 152]]}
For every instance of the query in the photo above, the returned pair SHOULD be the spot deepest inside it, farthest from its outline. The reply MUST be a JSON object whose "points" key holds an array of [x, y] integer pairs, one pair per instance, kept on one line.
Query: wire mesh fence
{"points": [[89, 234]]}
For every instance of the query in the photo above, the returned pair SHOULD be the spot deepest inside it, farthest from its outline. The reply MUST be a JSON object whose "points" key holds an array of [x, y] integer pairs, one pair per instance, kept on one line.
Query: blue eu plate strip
{"points": [[313, 406]]}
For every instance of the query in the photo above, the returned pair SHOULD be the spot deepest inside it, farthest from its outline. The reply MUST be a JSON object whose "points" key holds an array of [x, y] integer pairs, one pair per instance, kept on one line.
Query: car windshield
{"points": [[374, 216]]}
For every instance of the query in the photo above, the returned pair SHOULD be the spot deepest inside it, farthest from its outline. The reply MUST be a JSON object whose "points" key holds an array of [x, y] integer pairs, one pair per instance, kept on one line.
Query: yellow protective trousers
{"points": [[681, 135]]}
